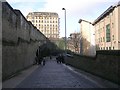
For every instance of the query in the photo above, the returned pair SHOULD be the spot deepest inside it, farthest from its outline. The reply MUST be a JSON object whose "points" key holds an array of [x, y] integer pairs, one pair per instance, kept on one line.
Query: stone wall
{"points": [[105, 64], [0, 45], [20, 40]]}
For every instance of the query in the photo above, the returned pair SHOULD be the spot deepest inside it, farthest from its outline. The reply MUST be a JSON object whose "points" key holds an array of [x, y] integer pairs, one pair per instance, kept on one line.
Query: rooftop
{"points": [[43, 13], [80, 20], [105, 13]]}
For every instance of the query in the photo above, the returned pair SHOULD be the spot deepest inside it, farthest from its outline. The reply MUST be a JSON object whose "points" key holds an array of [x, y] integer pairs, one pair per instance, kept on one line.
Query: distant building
{"points": [[73, 42], [107, 29], [87, 39], [46, 22]]}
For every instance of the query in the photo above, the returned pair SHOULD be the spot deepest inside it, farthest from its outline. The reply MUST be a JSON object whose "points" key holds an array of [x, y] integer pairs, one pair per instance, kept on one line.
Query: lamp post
{"points": [[65, 32]]}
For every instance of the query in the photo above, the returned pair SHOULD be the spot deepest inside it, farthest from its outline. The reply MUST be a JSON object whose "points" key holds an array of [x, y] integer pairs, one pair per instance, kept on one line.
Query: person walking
{"points": [[44, 62]]}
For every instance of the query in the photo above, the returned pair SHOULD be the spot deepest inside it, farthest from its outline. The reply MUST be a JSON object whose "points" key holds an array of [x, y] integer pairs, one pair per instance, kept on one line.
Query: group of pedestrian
{"points": [[60, 58], [39, 59]]}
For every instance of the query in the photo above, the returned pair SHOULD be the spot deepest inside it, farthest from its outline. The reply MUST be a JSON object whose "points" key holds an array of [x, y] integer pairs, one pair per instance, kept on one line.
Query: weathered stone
{"points": [[20, 40]]}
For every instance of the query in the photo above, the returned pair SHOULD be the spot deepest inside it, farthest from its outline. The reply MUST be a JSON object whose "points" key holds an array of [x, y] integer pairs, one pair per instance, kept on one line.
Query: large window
{"points": [[108, 33]]}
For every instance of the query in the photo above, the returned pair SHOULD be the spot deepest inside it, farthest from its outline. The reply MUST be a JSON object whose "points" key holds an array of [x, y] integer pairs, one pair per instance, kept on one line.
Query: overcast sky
{"points": [[75, 9]]}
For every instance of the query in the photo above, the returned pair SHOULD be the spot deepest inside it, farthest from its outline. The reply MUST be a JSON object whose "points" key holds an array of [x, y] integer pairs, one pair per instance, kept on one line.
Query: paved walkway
{"points": [[54, 75]]}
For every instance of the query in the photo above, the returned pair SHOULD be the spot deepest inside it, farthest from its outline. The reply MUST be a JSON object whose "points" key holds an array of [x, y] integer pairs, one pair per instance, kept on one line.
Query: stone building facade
{"points": [[46, 22], [87, 39], [107, 29]]}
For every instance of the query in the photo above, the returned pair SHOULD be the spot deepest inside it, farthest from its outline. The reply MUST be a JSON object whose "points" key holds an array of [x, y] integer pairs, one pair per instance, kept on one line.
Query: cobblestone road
{"points": [[54, 75]]}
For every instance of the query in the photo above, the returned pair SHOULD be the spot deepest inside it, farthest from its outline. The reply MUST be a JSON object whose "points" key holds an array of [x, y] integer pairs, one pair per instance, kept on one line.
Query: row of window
{"points": [[102, 39], [48, 28], [108, 38], [41, 21], [102, 29], [106, 48], [48, 31], [51, 28], [46, 25], [38, 17], [54, 36]]}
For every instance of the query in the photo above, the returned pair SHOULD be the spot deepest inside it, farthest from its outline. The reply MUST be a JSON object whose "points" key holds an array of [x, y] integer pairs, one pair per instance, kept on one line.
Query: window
{"points": [[113, 48], [113, 37], [106, 48], [98, 48], [101, 39], [108, 33], [109, 48]]}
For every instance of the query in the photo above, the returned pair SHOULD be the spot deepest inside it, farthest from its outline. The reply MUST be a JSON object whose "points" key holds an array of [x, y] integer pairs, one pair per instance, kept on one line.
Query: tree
{"points": [[61, 44]]}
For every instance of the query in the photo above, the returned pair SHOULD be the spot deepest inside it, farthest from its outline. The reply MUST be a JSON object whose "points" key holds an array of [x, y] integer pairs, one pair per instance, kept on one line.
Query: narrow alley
{"points": [[56, 75]]}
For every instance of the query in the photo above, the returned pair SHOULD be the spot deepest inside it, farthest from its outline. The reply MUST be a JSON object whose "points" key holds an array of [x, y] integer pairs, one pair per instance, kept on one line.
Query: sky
{"points": [[75, 9]]}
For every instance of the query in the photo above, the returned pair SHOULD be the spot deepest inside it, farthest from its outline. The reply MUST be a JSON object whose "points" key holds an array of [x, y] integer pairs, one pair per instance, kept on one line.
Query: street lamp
{"points": [[65, 32]]}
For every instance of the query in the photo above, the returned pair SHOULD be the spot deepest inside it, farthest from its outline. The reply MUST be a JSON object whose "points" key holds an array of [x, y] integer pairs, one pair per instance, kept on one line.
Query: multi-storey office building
{"points": [[87, 38], [107, 29], [46, 22]]}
